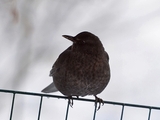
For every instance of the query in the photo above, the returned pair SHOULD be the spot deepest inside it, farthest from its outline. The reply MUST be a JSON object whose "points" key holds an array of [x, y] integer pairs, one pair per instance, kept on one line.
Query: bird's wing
{"points": [[59, 62], [57, 65]]}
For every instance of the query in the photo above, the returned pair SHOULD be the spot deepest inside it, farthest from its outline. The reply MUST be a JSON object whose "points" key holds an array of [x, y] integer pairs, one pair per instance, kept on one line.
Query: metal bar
{"points": [[80, 99], [122, 112], [149, 115], [67, 111], [12, 106], [95, 111], [40, 106]]}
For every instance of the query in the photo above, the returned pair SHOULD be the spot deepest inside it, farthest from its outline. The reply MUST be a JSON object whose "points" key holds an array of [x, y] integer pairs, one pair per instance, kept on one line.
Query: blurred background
{"points": [[31, 40]]}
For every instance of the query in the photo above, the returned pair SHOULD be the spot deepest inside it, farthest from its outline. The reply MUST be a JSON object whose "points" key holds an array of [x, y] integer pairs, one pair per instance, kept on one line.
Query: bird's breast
{"points": [[82, 74]]}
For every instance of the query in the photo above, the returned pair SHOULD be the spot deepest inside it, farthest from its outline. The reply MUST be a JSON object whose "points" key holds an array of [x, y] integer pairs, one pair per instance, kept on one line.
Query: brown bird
{"points": [[82, 69]]}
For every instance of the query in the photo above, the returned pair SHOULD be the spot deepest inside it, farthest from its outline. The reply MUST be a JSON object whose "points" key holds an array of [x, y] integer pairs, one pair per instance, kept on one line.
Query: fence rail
{"points": [[123, 105]]}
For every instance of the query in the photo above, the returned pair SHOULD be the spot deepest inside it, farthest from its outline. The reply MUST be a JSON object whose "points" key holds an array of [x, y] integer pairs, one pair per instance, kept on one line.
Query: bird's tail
{"points": [[50, 88]]}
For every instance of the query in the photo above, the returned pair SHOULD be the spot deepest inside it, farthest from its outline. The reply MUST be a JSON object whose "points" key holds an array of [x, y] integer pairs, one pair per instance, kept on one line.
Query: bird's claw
{"points": [[70, 101], [99, 101]]}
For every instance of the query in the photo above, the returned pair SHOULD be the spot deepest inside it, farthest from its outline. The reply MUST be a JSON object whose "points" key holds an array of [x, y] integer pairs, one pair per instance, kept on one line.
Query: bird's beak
{"points": [[71, 38]]}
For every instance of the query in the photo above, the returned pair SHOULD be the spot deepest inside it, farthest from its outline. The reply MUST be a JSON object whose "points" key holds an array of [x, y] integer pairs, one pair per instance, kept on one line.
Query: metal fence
{"points": [[41, 96]]}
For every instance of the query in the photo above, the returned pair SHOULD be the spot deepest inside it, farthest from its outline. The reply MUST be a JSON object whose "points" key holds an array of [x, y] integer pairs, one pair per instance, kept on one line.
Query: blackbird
{"points": [[82, 69]]}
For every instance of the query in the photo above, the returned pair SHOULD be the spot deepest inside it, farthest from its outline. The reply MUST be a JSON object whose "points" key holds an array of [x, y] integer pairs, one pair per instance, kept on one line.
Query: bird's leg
{"points": [[99, 101], [70, 100]]}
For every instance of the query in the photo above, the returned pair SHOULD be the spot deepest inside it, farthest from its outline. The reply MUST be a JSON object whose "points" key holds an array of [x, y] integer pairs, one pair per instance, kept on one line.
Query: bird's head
{"points": [[85, 41]]}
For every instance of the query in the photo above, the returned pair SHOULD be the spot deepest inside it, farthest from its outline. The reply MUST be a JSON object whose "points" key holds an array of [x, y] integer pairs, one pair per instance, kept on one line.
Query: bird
{"points": [[82, 69]]}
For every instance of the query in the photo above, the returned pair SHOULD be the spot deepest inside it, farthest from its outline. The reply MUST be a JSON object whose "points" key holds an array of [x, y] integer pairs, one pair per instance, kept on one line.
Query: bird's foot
{"points": [[99, 101], [70, 101]]}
